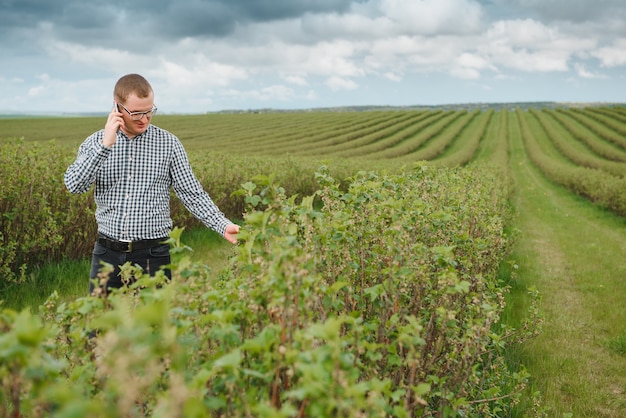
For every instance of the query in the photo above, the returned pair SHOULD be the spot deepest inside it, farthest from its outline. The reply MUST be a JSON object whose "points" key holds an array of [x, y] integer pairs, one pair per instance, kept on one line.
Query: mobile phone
{"points": [[117, 109]]}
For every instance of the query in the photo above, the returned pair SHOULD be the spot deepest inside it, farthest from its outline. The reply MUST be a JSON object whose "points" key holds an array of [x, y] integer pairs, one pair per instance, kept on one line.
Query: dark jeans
{"points": [[149, 259]]}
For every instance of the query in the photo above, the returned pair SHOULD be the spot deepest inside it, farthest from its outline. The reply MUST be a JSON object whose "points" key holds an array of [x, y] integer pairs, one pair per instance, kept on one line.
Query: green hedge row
{"points": [[40, 221], [377, 299], [598, 186]]}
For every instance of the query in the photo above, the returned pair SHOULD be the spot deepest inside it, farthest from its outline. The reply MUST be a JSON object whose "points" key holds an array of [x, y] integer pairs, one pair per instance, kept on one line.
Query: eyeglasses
{"points": [[139, 115]]}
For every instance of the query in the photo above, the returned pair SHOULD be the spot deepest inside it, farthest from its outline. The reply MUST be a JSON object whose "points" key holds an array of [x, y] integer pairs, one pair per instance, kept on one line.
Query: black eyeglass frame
{"points": [[139, 115]]}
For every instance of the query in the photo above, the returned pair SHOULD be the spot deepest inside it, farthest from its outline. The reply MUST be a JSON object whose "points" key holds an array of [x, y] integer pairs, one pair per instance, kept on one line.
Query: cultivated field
{"points": [[384, 293]]}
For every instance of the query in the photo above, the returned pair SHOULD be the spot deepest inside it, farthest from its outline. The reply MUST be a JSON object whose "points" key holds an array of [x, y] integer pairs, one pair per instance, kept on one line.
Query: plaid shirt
{"points": [[133, 180]]}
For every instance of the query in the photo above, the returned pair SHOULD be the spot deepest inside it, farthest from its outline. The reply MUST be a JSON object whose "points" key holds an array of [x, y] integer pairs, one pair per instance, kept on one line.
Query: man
{"points": [[133, 164]]}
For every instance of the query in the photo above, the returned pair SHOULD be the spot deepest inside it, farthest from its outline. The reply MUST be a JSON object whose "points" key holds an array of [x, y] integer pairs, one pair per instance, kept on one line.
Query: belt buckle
{"points": [[129, 246]]}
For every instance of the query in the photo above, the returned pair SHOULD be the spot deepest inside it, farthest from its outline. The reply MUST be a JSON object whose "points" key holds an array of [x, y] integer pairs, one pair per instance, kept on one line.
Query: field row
{"points": [[591, 137], [582, 149]]}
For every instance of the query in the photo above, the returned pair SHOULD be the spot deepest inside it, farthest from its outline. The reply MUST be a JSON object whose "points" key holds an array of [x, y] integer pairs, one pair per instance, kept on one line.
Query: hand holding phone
{"points": [[114, 123]]}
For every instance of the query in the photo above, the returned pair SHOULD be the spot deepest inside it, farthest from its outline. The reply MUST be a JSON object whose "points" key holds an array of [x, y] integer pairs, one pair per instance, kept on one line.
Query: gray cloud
{"points": [[110, 22], [166, 17], [574, 11], [201, 52]]}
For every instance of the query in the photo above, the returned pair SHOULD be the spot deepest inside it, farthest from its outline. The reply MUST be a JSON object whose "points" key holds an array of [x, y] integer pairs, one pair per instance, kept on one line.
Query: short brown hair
{"points": [[131, 84]]}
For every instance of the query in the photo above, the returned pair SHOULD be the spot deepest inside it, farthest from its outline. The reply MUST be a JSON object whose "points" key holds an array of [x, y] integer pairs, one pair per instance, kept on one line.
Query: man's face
{"points": [[134, 104]]}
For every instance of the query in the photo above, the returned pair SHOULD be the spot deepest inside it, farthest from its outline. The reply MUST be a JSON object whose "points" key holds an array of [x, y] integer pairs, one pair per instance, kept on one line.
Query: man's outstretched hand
{"points": [[230, 232]]}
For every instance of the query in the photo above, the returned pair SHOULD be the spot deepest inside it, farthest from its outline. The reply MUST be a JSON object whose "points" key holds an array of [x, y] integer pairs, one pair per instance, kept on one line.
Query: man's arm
{"points": [[195, 198], [81, 174]]}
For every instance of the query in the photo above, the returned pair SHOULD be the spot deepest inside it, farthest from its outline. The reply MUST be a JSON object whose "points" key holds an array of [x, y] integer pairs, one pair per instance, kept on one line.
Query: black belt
{"points": [[130, 246]]}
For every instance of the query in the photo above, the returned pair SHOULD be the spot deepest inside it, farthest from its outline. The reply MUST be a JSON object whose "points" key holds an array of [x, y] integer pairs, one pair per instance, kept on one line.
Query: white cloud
{"points": [[345, 26], [336, 58], [531, 46], [390, 75], [415, 53], [582, 72], [431, 17], [296, 80], [311, 95], [277, 92], [36, 91], [336, 83], [94, 57], [522, 33], [198, 71], [465, 73], [468, 66], [471, 60], [613, 55], [269, 93]]}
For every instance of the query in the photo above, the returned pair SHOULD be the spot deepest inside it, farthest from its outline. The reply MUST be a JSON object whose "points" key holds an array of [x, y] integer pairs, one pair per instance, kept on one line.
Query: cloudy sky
{"points": [[210, 55]]}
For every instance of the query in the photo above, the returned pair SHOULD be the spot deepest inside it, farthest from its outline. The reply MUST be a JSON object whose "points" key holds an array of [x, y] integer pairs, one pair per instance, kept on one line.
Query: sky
{"points": [[213, 55]]}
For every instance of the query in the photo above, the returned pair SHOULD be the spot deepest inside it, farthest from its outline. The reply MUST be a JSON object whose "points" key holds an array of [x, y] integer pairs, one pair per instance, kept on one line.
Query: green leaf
{"points": [[29, 329], [336, 287], [228, 361]]}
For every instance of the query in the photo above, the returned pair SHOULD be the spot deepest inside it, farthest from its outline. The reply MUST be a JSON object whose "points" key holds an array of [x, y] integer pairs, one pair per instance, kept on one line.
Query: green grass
{"points": [[69, 277], [618, 344], [208, 248], [573, 253]]}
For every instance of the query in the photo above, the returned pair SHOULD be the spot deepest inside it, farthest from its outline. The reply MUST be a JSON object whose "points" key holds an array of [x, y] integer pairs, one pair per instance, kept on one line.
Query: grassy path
{"points": [[573, 253]]}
